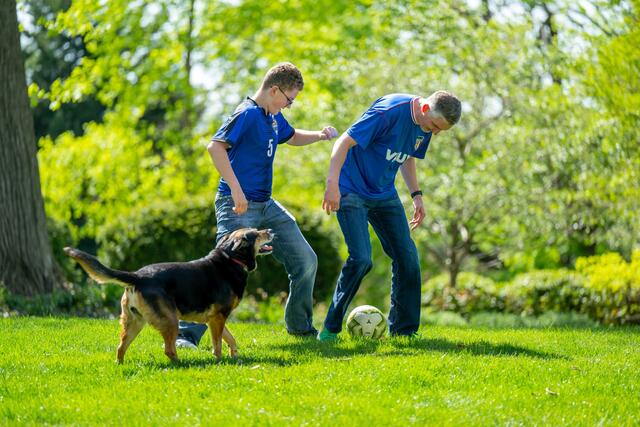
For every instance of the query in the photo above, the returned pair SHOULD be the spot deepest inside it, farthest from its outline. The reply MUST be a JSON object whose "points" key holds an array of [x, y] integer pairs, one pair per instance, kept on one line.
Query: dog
{"points": [[205, 290]]}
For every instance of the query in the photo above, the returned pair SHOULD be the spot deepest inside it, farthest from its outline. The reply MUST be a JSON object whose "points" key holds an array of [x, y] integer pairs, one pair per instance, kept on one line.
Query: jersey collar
{"points": [[264, 112], [413, 114]]}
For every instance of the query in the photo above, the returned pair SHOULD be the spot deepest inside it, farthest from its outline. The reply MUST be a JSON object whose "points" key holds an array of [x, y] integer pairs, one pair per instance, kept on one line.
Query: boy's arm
{"points": [[305, 137], [218, 151], [331, 202], [410, 177]]}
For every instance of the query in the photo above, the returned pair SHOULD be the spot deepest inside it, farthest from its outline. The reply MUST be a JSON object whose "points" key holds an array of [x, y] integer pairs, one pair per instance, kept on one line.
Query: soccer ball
{"points": [[366, 321]]}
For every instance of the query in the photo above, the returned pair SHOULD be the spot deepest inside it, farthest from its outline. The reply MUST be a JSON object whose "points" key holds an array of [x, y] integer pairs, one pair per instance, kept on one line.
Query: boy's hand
{"points": [[240, 203], [331, 202], [328, 132]]}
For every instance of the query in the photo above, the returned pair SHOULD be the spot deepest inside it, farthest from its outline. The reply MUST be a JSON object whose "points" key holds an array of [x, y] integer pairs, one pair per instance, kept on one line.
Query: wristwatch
{"points": [[416, 193]]}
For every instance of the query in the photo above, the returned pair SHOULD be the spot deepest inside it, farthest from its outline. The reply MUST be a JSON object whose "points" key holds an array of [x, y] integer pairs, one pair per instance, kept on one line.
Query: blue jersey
{"points": [[253, 136], [386, 135]]}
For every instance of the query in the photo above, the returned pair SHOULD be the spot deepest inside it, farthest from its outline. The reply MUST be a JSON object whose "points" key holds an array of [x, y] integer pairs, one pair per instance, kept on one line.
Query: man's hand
{"points": [[331, 202], [418, 213], [240, 203], [328, 132]]}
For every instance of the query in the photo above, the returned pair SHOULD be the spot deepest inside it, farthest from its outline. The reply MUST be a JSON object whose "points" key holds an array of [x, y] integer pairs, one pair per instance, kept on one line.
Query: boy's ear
{"points": [[425, 108]]}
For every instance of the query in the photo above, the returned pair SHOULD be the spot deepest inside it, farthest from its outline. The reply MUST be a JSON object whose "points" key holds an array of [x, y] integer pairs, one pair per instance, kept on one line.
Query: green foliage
{"points": [[474, 293], [537, 292], [261, 308], [542, 169], [88, 300], [615, 284], [164, 231], [606, 288]]}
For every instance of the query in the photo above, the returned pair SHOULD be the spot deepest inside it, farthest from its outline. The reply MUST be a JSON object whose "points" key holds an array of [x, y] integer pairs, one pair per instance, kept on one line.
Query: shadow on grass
{"points": [[302, 349], [407, 346], [210, 362]]}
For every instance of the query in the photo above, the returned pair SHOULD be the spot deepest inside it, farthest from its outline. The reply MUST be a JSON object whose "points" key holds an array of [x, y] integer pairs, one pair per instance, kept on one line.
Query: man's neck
{"points": [[416, 109]]}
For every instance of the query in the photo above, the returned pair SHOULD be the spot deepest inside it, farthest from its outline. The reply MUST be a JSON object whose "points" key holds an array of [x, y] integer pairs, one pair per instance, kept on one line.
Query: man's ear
{"points": [[425, 108]]}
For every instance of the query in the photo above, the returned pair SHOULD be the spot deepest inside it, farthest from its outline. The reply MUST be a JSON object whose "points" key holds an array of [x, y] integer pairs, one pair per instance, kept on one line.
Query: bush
{"points": [[614, 285], [546, 290], [169, 231], [87, 300], [443, 318], [473, 293], [606, 288]]}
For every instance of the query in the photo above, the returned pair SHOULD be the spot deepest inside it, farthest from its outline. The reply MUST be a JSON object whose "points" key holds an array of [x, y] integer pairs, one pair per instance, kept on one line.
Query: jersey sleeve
{"points": [[368, 126], [233, 128], [285, 131]]}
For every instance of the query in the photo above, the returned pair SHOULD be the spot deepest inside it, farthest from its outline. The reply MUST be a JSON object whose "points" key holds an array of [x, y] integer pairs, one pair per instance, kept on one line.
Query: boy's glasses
{"points": [[289, 100]]}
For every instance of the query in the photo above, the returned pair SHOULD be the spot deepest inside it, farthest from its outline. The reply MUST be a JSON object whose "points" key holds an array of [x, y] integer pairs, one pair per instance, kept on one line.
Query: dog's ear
{"points": [[248, 239], [240, 243], [223, 240]]}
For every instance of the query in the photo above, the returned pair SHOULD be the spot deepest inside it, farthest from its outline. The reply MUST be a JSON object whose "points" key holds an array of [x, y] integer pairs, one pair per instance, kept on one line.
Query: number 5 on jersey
{"points": [[270, 150]]}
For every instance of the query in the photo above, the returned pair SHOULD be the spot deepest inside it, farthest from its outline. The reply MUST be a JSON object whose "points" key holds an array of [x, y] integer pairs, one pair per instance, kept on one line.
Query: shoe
{"points": [[313, 332], [185, 343], [326, 335]]}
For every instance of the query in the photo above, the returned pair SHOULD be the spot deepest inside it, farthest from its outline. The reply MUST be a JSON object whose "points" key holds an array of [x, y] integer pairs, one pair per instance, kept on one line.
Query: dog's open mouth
{"points": [[265, 249]]}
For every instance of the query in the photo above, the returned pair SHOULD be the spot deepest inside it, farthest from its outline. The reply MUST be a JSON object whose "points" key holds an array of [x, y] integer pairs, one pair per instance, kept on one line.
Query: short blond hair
{"points": [[446, 105], [285, 75]]}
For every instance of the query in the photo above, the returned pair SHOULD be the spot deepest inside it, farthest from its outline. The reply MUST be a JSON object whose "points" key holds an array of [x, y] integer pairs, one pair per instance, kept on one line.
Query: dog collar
{"points": [[237, 261]]}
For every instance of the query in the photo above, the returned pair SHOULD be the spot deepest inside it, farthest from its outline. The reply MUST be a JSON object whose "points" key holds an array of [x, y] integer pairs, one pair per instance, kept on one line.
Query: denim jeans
{"points": [[390, 224], [289, 247]]}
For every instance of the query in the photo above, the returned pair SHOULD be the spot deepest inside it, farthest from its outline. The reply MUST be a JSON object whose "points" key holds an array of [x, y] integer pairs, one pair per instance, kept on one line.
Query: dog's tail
{"points": [[99, 272]]}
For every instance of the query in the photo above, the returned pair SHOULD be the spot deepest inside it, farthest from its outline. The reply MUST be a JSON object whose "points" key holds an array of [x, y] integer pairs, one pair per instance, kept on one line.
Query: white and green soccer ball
{"points": [[366, 321]]}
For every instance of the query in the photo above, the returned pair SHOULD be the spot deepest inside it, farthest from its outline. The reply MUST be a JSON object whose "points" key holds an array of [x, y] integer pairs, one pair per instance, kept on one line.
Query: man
{"points": [[394, 131], [243, 150]]}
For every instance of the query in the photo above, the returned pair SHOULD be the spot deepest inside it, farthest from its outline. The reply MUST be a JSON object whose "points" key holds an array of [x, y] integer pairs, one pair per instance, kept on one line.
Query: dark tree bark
{"points": [[27, 266]]}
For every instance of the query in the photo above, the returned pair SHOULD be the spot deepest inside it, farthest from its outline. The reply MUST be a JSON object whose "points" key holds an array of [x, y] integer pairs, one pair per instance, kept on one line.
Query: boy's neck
{"points": [[262, 99]]}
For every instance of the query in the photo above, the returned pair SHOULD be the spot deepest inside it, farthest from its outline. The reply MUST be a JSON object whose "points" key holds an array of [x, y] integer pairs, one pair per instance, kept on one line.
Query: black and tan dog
{"points": [[204, 290]]}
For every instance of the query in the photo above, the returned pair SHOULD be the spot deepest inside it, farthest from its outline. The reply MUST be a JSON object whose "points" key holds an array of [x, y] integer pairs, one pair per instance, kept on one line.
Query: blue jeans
{"points": [[289, 247], [390, 224]]}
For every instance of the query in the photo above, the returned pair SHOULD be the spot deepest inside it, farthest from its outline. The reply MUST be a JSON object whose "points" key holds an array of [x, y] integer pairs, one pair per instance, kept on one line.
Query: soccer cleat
{"points": [[326, 335], [185, 343]]}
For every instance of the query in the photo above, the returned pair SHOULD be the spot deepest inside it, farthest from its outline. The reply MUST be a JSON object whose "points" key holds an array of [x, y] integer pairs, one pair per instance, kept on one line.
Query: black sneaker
{"points": [[313, 332]]}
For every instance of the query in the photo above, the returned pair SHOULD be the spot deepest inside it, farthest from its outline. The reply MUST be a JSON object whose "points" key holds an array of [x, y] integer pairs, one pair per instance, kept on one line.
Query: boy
{"points": [[243, 150]]}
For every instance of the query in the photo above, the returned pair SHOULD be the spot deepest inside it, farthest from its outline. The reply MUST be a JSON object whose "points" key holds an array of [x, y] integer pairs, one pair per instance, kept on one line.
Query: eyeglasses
{"points": [[289, 100]]}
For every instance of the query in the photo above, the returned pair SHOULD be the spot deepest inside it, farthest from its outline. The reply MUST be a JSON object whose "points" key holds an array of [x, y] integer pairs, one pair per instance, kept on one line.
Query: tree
{"points": [[26, 263], [50, 56]]}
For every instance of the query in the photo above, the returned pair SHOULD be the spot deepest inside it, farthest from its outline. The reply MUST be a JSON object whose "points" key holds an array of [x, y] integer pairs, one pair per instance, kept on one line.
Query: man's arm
{"points": [[218, 151], [410, 177], [331, 202], [306, 137]]}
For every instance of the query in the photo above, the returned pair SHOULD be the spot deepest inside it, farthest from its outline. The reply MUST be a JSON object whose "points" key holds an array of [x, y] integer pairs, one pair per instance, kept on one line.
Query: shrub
{"points": [[614, 285], [169, 231], [473, 293], [536, 292]]}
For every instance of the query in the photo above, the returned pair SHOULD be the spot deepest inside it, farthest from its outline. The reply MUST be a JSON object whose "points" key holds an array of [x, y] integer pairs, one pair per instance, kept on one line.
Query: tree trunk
{"points": [[27, 266]]}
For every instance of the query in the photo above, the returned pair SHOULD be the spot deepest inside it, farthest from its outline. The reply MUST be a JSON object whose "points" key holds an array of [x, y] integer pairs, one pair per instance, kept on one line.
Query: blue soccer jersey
{"points": [[253, 136], [386, 135]]}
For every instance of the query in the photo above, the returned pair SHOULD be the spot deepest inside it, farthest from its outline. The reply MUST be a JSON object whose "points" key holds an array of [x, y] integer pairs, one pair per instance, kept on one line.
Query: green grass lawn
{"points": [[62, 371]]}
